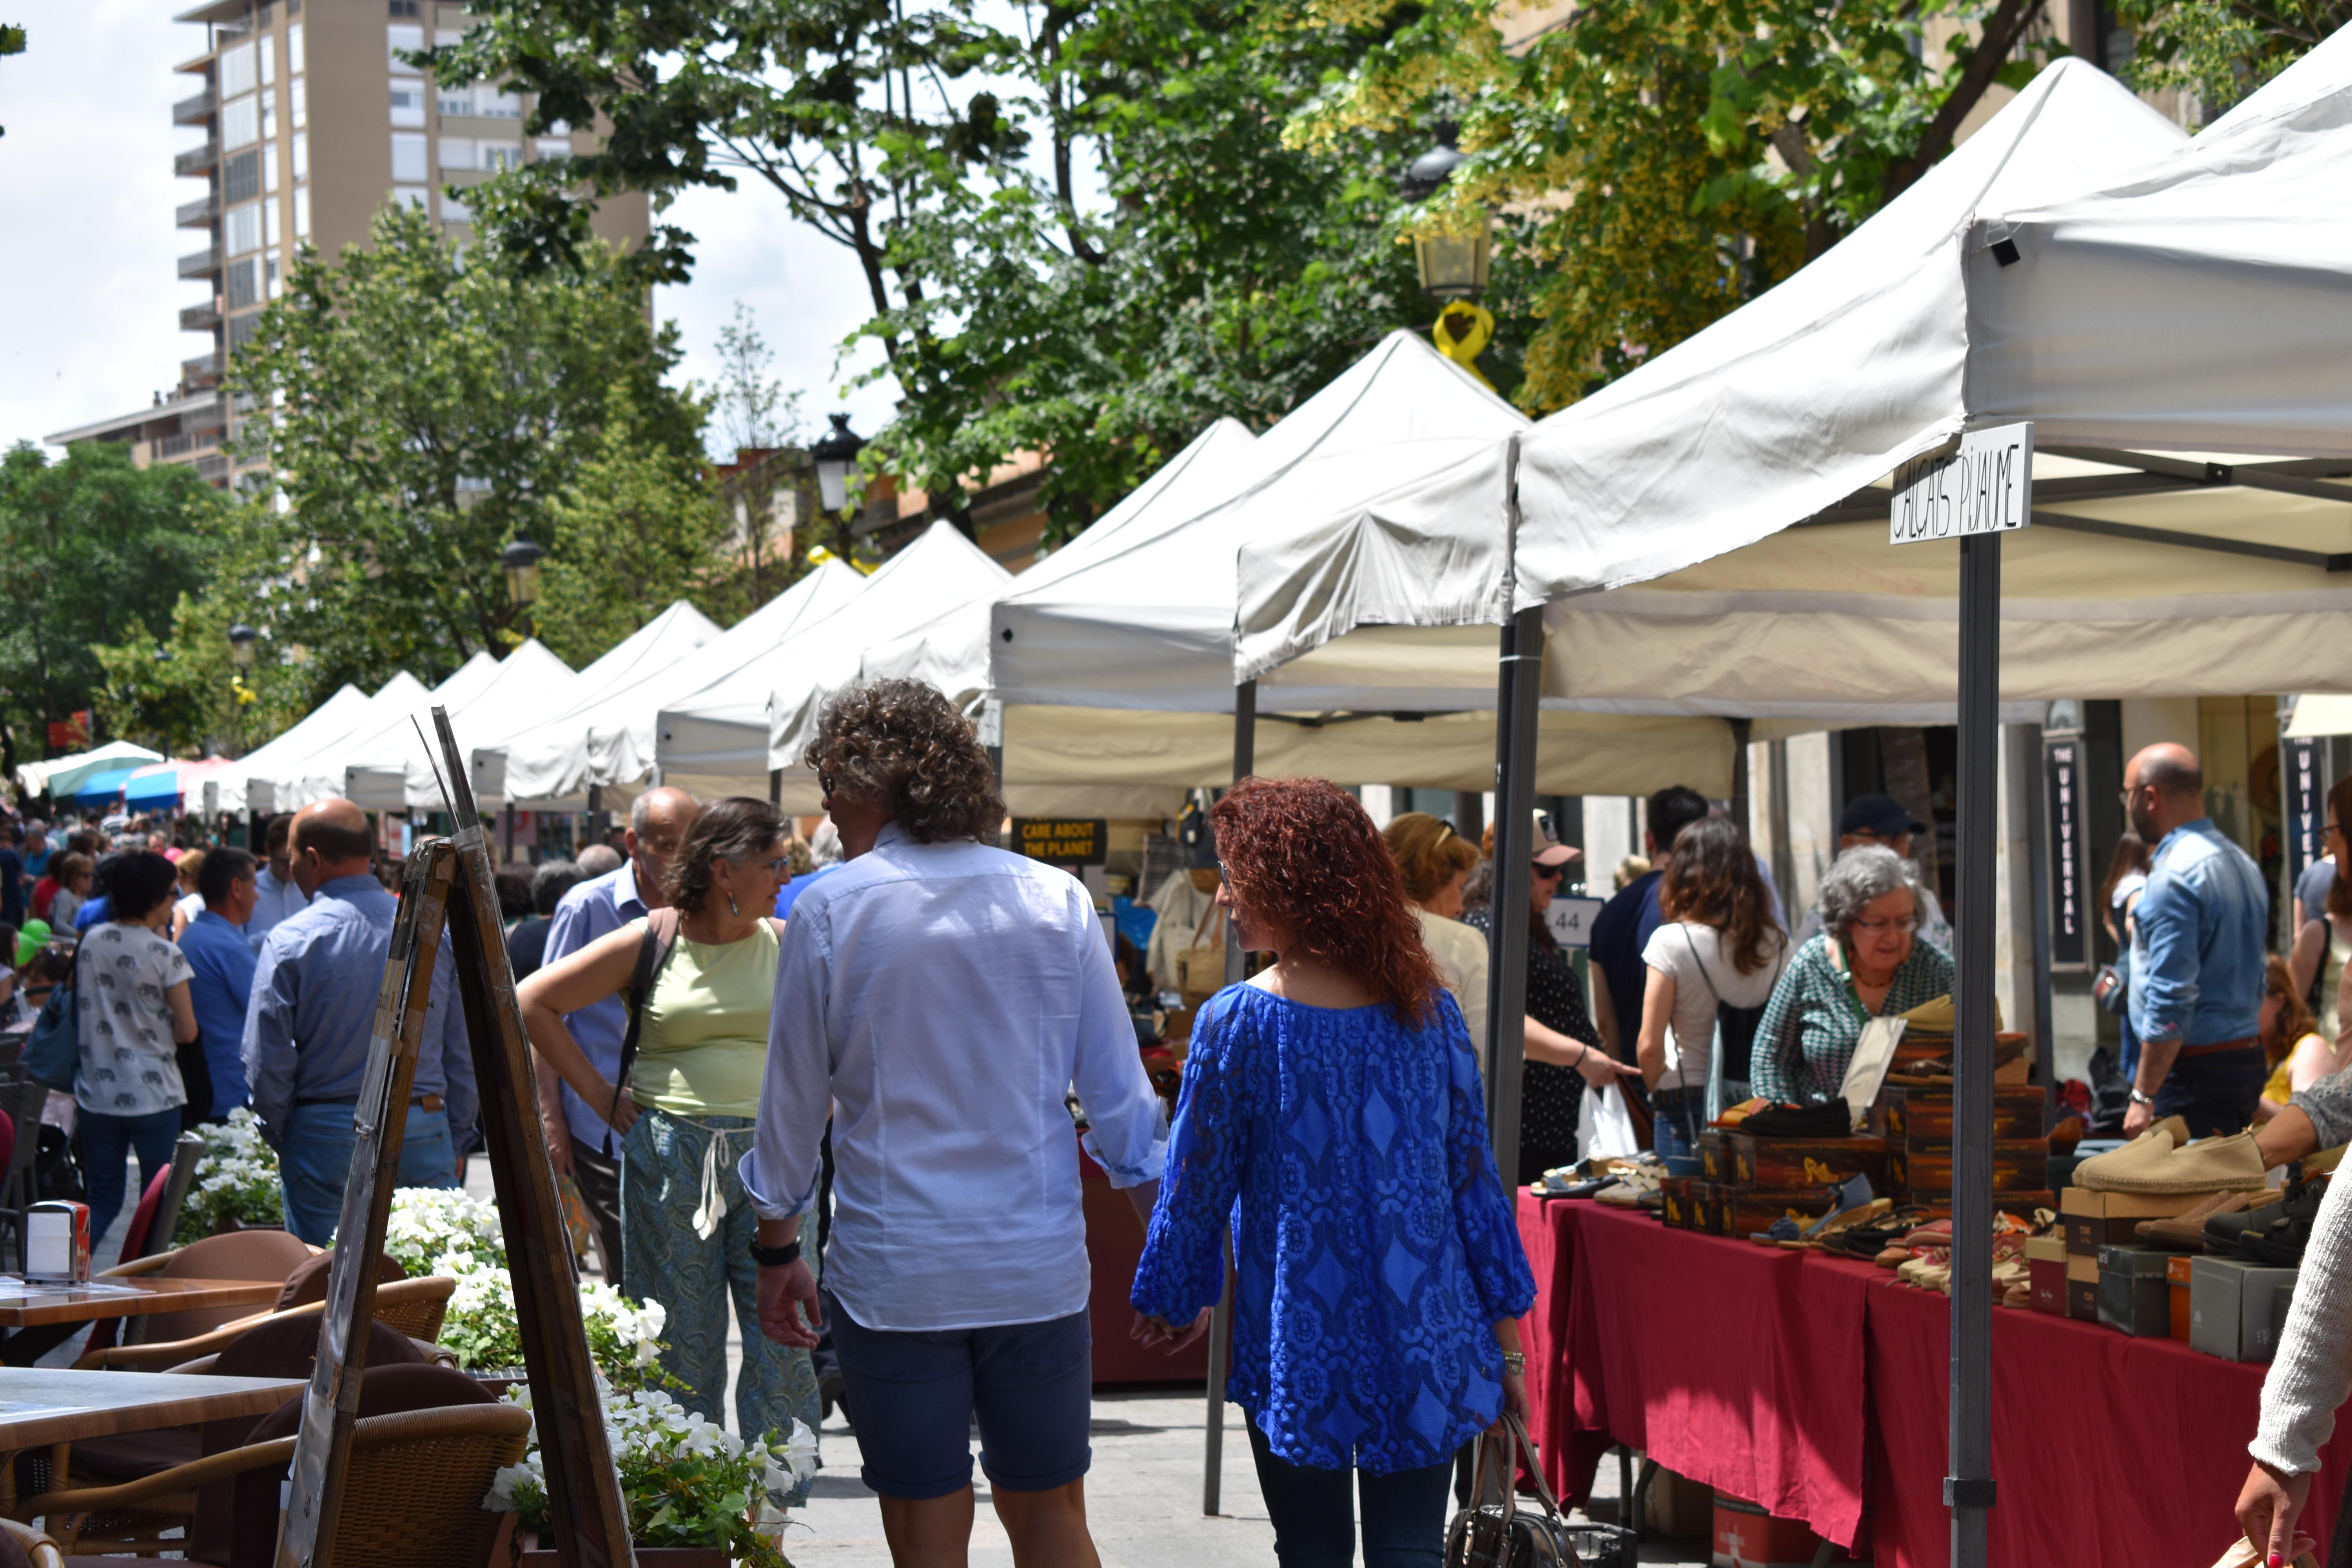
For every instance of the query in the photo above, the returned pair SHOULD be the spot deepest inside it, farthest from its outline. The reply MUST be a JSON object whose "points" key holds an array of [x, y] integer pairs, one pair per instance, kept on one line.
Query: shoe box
{"points": [[2091, 1220], [1677, 1205], [2179, 1272], [1747, 1537], [2019, 1166], [2082, 1287], [1744, 1211], [2045, 1270], [2233, 1308], [1714, 1160], [2133, 1293], [1789, 1164], [1921, 1119]]}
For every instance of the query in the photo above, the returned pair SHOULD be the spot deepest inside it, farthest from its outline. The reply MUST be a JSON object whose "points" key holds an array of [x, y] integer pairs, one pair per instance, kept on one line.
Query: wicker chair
{"points": [[412, 1498], [415, 1307], [42, 1552]]}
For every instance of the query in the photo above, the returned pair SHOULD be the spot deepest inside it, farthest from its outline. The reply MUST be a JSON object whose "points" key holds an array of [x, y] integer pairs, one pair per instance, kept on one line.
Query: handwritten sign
{"points": [[1985, 486], [1064, 841]]}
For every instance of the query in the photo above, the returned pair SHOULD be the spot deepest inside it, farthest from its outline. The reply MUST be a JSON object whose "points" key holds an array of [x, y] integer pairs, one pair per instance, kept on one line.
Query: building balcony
{"points": [[200, 212], [199, 317], [195, 111], [175, 448], [200, 371], [202, 264], [196, 161], [214, 468]]}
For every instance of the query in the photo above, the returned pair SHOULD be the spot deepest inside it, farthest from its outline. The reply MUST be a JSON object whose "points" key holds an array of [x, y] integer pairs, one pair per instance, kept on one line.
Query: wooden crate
{"points": [[1787, 1164]]}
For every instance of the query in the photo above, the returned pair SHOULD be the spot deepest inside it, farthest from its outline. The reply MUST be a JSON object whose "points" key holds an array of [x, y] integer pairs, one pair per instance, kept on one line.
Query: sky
{"points": [[86, 167]]}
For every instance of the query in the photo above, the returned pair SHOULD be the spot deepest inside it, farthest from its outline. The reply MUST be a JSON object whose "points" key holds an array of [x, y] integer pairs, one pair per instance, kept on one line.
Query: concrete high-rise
{"points": [[310, 123]]}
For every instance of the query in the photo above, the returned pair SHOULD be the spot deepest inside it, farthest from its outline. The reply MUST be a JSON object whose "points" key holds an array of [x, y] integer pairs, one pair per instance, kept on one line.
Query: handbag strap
{"points": [[652, 952]]}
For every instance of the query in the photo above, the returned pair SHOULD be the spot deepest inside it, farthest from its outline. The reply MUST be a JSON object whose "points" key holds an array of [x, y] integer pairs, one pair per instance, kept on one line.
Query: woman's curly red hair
{"points": [[1302, 855]]}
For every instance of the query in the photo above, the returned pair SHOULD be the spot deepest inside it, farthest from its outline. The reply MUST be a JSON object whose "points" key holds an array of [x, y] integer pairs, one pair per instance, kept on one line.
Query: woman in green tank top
{"points": [[686, 1116]]}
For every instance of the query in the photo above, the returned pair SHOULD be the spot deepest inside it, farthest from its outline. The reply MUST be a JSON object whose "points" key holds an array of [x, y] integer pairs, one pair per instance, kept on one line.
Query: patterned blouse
{"points": [[1550, 1095], [1814, 1020], [129, 1065], [1373, 1244]]}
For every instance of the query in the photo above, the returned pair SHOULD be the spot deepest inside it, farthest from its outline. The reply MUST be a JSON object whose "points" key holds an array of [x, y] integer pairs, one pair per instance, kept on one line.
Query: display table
{"points": [[1818, 1388]]}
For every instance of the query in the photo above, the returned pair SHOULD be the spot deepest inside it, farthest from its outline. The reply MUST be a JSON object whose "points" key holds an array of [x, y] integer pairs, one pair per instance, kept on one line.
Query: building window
{"points": [[407, 159], [553, 147], [294, 47], [398, 40], [456, 152], [457, 101], [241, 177], [242, 277], [242, 328], [501, 156], [453, 208], [268, 114], [277, 286], [268, 48], [407, 103], [299, 97], [301, 212], [492, 105], [244, 229], [269, 167], [411, 8], [241, 123], [301, 155], [270, 234], [237, 70], [410, 196]]}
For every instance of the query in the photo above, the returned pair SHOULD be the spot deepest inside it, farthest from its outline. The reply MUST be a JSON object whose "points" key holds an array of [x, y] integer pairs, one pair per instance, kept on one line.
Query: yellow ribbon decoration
{"points": [[1463, 329]]}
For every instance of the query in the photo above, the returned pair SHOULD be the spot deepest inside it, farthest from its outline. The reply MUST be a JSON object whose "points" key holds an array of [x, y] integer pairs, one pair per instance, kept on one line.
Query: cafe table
{"points": [[39, 1318], [44, 1406]]}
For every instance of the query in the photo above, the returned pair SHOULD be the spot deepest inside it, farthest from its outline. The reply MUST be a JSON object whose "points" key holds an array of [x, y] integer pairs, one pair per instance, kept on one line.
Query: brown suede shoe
{"points": [[2185, 1232]]}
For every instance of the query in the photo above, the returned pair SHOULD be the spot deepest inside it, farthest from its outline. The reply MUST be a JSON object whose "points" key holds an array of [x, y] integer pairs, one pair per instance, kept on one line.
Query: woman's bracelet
{"points": [[1514, 1362]]}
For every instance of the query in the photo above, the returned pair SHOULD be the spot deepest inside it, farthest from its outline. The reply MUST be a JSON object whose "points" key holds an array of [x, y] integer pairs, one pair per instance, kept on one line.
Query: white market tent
{"points": [[608, 742], [715, 741], [335, 716], [661, 644], [319, 774], [287, 778], [59, 776], [394, 770], [1117, 670]]}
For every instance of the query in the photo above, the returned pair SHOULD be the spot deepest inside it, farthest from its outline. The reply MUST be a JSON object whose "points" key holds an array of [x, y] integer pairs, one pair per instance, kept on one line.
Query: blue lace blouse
{"points": [[1374, 1246]]}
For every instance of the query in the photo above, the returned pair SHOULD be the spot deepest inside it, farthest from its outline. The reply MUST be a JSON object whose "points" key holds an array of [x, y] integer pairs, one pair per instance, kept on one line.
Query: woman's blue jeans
{"points": [[1314, 1523], [106, 1141]]}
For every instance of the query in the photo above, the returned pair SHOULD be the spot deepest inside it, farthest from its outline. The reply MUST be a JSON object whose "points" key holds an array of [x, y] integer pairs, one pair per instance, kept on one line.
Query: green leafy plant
{"points": [[235, 1182]]}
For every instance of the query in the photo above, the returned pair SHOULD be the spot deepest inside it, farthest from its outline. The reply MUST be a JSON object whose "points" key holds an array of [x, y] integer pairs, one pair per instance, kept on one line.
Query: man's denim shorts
{"points": [[913, 1397]]}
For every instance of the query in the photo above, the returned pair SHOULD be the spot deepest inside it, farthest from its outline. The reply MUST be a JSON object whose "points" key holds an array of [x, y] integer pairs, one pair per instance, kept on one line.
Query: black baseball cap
{"points": [[1880, 814]]}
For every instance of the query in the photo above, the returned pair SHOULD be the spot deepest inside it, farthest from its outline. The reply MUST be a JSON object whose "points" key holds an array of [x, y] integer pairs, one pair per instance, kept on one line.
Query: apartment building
{"points": [[310, 121]]}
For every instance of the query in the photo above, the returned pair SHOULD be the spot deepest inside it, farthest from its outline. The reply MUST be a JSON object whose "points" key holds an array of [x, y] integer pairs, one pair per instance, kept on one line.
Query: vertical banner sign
{"points": [[2069, 902], [2303, 799], [1986, 486]]}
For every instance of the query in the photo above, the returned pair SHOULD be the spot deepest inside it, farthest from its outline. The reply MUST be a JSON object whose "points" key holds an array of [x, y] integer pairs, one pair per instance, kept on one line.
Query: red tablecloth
{"points": [[1773, 1374]]}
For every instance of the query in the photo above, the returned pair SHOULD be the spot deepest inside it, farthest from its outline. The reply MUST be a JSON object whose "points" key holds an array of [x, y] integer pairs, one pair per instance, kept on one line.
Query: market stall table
{"points": [[43, 1406], [43, 1317], [1815, 1386]]}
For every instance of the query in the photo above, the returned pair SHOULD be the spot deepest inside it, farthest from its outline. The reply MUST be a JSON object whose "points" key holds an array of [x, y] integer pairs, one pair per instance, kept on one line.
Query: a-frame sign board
{"points": [[449, 887]]}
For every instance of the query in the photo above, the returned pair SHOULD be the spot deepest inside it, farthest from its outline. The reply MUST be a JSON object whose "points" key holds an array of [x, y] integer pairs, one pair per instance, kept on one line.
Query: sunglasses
{"points": [[1551, 873]]}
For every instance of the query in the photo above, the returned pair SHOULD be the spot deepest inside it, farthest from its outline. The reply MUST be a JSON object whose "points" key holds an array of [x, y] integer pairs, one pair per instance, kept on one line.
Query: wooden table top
{"points": [[43, 1405], [24, 1305]]}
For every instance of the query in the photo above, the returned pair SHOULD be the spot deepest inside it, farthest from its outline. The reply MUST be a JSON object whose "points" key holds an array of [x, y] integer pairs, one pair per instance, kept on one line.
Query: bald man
{"points": [[307, 1029], [578, 1141], [2197, 955]]}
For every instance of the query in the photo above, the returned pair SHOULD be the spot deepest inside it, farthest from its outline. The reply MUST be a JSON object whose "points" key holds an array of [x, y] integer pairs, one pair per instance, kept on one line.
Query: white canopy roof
{"points": [[329, 719], [288, 777], [527, 683], [68, 773], [651, 650], [370, 767], [608, 741], [715, 741]]}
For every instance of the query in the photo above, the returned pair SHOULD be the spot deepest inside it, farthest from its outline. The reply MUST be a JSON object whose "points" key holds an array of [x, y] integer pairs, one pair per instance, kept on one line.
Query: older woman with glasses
{"points": [[1867, 962]]}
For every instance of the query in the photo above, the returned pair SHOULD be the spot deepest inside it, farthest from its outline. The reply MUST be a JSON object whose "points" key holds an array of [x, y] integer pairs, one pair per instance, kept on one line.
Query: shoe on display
{"points": [[2276, 1236], [2156, 1162], [2185, 1232]]}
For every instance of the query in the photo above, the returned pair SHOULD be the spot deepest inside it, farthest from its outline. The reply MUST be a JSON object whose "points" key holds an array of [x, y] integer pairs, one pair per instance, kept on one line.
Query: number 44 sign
{"points": [[1985, 486]]}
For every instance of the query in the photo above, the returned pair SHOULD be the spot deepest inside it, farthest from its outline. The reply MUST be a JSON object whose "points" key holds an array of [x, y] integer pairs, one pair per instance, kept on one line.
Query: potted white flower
{"points": [[235, 1185], [697, 1496]]}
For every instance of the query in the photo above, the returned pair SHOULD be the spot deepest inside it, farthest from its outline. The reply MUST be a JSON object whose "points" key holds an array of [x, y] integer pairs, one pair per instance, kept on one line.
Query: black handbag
{"points": [[1498, 1528]]}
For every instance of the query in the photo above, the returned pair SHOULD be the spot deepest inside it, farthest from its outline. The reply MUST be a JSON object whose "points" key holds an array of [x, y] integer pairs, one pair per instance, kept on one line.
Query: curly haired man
{"points": [[940, 996]]}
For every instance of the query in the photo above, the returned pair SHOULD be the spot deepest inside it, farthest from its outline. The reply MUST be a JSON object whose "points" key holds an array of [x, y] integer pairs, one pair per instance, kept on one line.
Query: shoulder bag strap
{"points": [[1211, 913], [652, 952], [1712, 989]]}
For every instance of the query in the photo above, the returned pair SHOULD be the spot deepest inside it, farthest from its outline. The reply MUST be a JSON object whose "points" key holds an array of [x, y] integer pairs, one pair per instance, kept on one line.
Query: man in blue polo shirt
{"points": [[221, 983]]}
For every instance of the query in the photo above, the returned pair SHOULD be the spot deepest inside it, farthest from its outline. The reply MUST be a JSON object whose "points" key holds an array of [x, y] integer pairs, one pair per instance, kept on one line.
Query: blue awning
{"points": [[100, 788], [158, 791]]}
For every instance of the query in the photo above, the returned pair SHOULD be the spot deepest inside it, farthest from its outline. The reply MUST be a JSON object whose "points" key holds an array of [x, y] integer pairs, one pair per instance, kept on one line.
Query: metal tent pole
{"points": [[1506, 975], [1968, 1481], [2037, 846], [1221, 1319]]}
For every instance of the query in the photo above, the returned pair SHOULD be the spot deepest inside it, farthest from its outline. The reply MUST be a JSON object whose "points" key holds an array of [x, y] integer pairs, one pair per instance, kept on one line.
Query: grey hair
{"points": [[1863, 873]]}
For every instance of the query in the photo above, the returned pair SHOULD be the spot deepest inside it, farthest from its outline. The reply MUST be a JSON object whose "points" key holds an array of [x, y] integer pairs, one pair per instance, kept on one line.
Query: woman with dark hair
{"points": [[685, 1112], [1333, 1118], [1564, 1053], [132, 986], [2322, 947], [1719, 947], [1436, 862]]}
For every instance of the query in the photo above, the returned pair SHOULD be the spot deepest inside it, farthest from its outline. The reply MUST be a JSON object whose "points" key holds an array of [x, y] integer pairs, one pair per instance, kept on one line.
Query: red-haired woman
{"points": [[1336, 1096]]}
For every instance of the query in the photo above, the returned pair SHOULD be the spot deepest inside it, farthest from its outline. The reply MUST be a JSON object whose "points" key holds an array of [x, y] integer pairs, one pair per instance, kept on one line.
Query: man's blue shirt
{"points": [[221, 988], [2198, 960], [595, 909]]}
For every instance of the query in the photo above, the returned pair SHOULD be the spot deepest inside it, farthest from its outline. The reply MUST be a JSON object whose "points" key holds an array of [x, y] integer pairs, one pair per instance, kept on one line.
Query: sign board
{"points": [[2302, 801], [1985, 486], [1571, 919], [71, 735], [2071, 914], [1064, 841]]}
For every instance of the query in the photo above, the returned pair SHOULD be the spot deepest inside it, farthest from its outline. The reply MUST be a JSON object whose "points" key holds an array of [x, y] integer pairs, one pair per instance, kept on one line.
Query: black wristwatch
{"points": [[783, 1256]]}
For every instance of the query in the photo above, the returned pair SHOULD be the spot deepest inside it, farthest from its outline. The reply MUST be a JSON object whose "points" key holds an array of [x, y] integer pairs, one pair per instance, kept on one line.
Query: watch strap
{"points": [[783, 1256]]}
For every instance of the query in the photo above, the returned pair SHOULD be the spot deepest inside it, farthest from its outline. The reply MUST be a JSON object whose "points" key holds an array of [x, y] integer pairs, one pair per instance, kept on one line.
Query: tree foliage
{"points": [[426, 409], [94, 551], [2223, 50]]}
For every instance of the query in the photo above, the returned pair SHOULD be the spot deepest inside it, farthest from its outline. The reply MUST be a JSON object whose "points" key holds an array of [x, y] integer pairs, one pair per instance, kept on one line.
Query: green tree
{"points": [[426, 409], [93, 551], [2223, 50]]}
